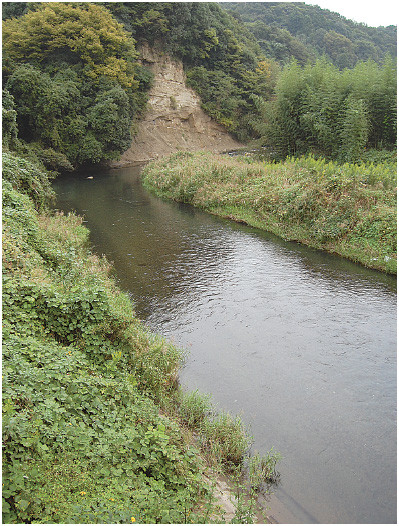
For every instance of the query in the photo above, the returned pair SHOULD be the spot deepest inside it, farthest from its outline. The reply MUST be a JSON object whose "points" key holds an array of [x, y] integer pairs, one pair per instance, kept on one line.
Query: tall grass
{"points": [[347, 209]]}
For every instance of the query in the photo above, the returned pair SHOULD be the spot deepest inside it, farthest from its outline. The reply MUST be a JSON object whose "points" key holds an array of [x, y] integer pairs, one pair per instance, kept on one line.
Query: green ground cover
{"points": [[346, 209]]}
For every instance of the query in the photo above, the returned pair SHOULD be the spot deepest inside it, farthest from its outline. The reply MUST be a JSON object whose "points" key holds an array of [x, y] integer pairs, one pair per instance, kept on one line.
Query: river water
{"points": [[300, 343]]}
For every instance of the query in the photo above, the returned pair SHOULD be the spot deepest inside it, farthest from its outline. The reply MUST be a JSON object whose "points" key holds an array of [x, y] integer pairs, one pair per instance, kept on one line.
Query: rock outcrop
{"points": [[174, 119]]}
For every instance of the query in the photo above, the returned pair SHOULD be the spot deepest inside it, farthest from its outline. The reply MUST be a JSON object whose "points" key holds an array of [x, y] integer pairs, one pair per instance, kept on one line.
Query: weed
{"points": [[347, 209], [225, 438], [263, 469], [194, 408]]}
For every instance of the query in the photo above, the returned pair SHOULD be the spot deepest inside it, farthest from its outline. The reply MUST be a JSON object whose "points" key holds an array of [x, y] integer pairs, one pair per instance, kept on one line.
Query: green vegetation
{"points": [[221, 57], [95, 428], [319, 109], [263, 469], [344, 209], [295, 29], [71, 75]]}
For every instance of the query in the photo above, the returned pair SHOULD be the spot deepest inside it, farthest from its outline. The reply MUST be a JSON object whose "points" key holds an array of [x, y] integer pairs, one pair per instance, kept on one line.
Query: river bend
{"points": [[302, 344]]}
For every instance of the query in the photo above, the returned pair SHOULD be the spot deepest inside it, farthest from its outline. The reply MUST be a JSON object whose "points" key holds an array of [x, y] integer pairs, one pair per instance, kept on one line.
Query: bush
{"points": [[27, 178]]}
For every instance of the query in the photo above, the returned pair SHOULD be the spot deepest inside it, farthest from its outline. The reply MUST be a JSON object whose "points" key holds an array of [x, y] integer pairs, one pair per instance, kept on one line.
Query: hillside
{"points": [[75, 97], [174, 119], [285, 29]]}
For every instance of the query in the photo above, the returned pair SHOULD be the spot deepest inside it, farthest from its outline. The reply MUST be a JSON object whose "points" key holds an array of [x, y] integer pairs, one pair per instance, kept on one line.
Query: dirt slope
{"points": [[174, 119]]}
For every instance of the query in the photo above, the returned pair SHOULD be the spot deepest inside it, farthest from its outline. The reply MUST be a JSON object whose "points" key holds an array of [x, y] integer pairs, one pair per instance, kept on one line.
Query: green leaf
{"points": [[23, 504]]}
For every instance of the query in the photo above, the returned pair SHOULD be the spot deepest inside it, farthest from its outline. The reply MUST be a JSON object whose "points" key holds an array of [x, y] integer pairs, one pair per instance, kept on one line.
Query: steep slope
{"points": [[174, 119]]}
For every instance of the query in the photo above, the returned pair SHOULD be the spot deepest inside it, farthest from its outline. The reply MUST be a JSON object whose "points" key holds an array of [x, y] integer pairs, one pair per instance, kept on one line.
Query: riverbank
{"points": [[95, 426], [346, 209]]}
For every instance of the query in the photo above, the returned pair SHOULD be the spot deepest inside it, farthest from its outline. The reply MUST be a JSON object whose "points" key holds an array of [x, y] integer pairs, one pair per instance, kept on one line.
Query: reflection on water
{"points": [[302, 343]]}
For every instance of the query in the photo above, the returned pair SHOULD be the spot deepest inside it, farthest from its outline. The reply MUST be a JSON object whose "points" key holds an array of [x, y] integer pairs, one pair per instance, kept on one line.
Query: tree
{"points": [[81, 32], [109, 118], [355, 129], [42, 104], [331, 112], [72, 73], [13, 9], [289, 88]]}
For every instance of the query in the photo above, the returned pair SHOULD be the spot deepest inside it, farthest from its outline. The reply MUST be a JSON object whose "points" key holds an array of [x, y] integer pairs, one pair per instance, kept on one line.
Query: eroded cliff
{"points": [[174, 119]]}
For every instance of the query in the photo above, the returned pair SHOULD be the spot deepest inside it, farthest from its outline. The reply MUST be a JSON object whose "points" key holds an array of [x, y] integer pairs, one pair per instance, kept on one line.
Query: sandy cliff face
{"points": [[174, 119]]}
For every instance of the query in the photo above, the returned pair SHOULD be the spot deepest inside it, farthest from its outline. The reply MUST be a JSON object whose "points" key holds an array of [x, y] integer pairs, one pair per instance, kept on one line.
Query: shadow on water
{"points": [[300, 342]]}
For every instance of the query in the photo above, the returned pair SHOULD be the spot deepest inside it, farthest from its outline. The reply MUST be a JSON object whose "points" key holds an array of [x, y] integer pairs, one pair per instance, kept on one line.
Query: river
{"points": [[300, 343]]}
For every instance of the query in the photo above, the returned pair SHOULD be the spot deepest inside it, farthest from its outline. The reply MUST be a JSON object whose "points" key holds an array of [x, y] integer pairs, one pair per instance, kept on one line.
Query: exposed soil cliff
{"points": [[174, 119]]}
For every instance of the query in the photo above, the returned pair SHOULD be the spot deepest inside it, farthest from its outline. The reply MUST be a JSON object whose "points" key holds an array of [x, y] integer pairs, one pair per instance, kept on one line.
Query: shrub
{"points": [[83, 439], [27, 178]]}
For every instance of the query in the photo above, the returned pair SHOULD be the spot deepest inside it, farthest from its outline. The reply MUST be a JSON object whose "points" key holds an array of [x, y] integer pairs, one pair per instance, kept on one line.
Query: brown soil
{"points": [[174, 119]]}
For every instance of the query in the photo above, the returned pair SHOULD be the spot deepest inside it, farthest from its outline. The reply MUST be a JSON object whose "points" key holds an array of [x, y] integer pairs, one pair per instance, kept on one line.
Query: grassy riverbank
{"points": [[95, 427], [344, 209]]}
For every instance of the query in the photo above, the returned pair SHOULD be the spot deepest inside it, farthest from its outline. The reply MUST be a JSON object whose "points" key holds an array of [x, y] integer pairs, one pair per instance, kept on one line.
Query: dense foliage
{"points": [[224, 64], [334, 113], [346, 209], [63, 32], [71, 71], [79, 438], [302, 31], [72, 76]]}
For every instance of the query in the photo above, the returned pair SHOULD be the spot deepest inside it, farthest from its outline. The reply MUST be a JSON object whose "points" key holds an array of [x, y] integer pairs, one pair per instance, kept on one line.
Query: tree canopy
{"points": [[72, 71], [83, 33], [334, 113], [286, 29], [292, 75]]}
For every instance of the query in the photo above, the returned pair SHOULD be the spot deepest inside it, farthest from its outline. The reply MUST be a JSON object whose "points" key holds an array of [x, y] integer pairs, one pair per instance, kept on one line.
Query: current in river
{"points": [[301, 344]]}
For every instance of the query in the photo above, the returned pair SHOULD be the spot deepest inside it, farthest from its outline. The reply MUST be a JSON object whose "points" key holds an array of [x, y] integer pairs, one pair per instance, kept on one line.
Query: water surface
{"points": [[302, 344]]}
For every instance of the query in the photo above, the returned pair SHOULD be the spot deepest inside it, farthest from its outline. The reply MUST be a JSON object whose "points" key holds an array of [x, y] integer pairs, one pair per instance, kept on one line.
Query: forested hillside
{"points": [[74, 87], [74, 81], [286, 29], [77, 90], [223, 62]]}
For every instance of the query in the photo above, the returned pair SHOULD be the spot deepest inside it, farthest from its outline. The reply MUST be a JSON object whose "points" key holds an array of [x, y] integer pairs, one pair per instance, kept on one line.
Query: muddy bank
{"points": [[174, 119]]}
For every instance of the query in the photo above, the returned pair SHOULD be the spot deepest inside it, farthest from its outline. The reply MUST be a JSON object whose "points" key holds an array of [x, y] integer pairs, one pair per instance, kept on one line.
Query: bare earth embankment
{"points": [[174, 119]]}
